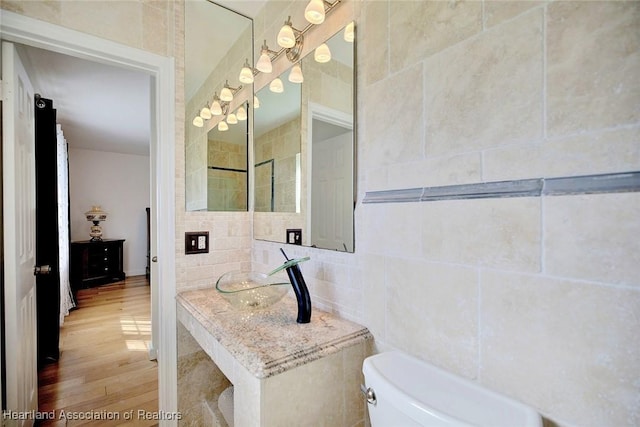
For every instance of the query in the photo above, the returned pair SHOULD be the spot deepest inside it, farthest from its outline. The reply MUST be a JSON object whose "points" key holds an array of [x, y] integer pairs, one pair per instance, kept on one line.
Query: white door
{"points": [[332, 193], [18, 180]]}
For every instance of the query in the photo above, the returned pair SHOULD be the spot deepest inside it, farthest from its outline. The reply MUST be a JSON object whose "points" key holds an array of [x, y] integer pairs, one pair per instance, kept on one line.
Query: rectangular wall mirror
{"points": [[304, 145], [217, 43]]}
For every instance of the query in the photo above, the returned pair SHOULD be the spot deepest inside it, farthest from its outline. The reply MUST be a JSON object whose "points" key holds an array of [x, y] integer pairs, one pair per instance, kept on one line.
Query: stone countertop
{"points": [[269, 341]]}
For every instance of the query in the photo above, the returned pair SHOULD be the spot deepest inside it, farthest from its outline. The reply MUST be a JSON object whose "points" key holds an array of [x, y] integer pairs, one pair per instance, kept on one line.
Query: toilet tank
{"points": [[410, 392]]}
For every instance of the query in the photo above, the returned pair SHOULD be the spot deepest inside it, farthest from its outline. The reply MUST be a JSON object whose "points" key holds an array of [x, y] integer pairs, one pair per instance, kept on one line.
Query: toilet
{"points": [[404, 391]]}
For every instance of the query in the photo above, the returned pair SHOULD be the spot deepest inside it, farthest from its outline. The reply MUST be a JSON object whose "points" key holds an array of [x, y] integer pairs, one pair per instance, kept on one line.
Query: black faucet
{"points": [[299, 287]]}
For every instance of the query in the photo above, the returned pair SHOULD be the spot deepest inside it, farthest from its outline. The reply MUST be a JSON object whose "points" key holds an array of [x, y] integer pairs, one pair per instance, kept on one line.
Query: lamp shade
{"points": [[276, 86], [216, 108], [232, 119], [198, 121], [256, 102], [286, 37], [314, 12], [241, 114], [295, 76], [223, 126], [349, 32], [322, 53], [205, 113], [264, 63], [226, 94], [246, 74], [96, 214]]}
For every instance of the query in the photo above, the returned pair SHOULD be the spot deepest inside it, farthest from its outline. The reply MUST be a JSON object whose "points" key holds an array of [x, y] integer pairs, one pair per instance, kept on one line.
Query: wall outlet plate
{"points": [[196, 242], [294, 236]]}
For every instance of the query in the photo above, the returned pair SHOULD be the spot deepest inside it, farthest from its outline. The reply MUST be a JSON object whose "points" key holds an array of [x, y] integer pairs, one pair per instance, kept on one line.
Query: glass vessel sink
{"points": [[251, 290]]}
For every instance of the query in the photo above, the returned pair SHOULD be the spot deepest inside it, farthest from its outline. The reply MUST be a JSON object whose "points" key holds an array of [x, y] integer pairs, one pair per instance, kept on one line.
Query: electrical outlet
{"points": [[196, 242], [294, 236]]}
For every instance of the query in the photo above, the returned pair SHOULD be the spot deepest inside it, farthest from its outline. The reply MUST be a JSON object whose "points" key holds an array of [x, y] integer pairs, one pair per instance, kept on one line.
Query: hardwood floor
{"points": [[104, 369]]}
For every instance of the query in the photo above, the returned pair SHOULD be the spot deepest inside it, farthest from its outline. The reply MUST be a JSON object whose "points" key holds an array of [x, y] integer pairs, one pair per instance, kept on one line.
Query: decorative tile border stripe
{"points": [[588, 184]]}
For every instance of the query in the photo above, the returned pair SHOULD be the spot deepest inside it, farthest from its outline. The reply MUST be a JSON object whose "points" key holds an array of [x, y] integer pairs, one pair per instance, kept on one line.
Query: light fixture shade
{"points": [[322, 53], [198, 121], [216, 108], [246, 74], [314, 12], [256, 102], [205, 113], [223, 126], [264, 63], [226, 94], [295, 76], [232, 119], [241, 114], [286, 37], [276, 86], [96, 214], [349, 32]]}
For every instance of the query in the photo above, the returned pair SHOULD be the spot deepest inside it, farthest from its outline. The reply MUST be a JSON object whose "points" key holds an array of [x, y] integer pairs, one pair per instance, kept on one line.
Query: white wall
{"points": [[120, 184]]}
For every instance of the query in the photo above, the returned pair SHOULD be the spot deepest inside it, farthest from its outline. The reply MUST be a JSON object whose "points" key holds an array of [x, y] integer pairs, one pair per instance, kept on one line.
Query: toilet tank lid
{"points": [[425, 390]]}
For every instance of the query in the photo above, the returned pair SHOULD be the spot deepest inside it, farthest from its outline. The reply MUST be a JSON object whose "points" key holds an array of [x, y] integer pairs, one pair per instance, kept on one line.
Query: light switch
{"points": [[196, 242]]}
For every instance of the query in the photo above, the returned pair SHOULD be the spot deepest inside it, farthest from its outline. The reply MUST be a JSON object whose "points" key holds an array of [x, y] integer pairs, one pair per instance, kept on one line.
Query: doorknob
{"points": [[41, 269], [154, 259]]}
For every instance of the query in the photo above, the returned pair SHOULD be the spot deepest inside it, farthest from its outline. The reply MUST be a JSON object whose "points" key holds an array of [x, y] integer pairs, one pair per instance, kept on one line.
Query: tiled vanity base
{"points": [[284, 373]]}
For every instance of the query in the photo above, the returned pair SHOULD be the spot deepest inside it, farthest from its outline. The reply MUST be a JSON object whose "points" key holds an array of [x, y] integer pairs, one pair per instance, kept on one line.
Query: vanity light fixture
{"points": [[314, 12], [322, 53], [205, 113], [349, 32], [246, 74], [287, 35], [264, 62], [276, 86], [198, 121], [216, 108], [232, 119], [256, 102], [241, 114], [295, 76], [223, 126]]}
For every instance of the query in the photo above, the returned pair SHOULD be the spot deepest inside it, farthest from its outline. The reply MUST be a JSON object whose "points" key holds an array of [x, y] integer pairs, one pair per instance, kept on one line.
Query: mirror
{"points": [[217, 42], [304, 145]]}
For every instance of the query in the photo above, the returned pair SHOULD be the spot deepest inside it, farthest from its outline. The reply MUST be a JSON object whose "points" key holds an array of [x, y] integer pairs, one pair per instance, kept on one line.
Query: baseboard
{"points": [[135, 273], [153, 353]]}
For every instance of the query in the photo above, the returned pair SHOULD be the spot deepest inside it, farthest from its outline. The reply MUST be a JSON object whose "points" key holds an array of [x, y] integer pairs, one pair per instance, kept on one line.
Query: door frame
{"points": [[28, 31]]}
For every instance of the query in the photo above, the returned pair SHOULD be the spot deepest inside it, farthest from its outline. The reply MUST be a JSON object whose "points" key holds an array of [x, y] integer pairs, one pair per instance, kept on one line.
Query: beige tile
{"points": [[418, 29], [393, 229], [432, 312], [374, 316], [374, 60], [496, 12], [487, 91], [593, 63], [566, 347], [393, 117], [593, 237], [501, 233], [584, 154], [48, 11], [155, 30], [447, 170]]}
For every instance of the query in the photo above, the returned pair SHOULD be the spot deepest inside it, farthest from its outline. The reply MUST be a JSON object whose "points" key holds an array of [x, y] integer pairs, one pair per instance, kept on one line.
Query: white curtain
{"points": [[66, 296]]}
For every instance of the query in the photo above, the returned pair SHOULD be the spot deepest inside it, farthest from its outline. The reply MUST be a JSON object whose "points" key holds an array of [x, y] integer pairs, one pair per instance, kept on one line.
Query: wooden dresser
{"points": [[96, 263]]}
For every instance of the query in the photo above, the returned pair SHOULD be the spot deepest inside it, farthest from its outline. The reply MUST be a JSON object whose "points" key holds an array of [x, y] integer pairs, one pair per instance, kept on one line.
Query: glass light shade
{"points": [[205, 113], [198, 121], [256, 102], [322, 53], [232, 119], [264, 63], [225, 94], [241, 114], [246, 75], [216, 108], [223, 126], [96, 214], [314, 12], [276, 86], [286, 37], [295, 76], [349, 32]]}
